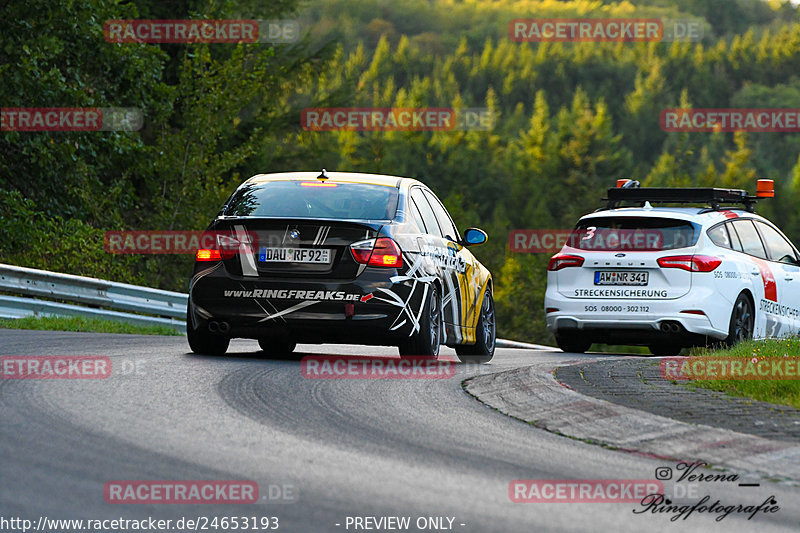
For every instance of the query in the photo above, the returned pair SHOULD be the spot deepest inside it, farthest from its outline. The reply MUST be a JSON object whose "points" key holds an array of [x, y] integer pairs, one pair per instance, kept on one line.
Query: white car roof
{"points": [[699, 215]]}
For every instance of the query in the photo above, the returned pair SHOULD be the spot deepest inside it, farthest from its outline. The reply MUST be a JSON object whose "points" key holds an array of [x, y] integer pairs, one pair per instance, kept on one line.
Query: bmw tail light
{"points": [[205, 254], [386, 253], [361, 250], [382, 252], [559, 261], [219, 245], [690, 263], [228, 245]]}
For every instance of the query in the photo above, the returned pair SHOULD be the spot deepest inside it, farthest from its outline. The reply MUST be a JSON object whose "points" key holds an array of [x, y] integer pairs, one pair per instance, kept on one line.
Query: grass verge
{"points": [[777, 391], [80, 323]]}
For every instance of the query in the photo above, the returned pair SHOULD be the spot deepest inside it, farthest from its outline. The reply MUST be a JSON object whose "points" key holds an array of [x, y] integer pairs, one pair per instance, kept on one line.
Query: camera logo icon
{"points": [[663, 473]]}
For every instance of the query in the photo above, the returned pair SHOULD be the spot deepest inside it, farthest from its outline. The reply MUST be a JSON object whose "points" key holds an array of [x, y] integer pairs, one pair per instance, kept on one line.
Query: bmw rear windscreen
{"points": [[314, 199]]}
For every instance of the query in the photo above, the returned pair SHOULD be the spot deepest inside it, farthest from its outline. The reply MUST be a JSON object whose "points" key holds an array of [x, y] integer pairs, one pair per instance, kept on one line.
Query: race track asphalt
{"points": [[338, 448]]}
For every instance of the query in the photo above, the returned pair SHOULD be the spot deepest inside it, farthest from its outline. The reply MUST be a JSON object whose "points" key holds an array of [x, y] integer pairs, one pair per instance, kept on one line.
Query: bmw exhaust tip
{"points": [[219, 327]]}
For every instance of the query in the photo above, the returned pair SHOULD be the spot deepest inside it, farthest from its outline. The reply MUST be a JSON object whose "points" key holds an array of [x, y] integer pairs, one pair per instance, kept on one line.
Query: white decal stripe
{"points": [[192, 283], [266, 313], [259, 303], [421, 306], [415, 267], [404, 305], [203, 274], [453, 300], [322, 234], [246, 253], [288, 310]]}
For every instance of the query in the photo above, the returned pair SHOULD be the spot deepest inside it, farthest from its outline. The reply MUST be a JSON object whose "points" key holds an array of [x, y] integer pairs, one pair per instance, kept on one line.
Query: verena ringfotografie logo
{"points": [[344, 367], [708, 120], [201, 31], [55, 366], [687, 481], [70, 119], [766, 368], [605, 30], [180, 492], [582, 490], [396, 119]]}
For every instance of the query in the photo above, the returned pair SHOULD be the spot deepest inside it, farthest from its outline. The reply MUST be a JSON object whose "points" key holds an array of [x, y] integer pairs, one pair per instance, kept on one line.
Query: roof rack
{"points": [[680, 195]]}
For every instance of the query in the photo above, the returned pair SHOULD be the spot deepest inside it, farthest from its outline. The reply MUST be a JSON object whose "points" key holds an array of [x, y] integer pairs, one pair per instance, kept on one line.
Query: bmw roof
{"points": [[341, 177]]}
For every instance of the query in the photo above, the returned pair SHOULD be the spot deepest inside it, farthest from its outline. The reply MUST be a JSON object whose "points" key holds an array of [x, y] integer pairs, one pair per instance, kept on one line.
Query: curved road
{"points": [[365, 448]]}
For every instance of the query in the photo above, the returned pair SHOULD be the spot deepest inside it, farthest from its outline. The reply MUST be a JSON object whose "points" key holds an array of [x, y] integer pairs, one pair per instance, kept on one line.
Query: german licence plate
{"points": [[621, 277], [294, 255]]}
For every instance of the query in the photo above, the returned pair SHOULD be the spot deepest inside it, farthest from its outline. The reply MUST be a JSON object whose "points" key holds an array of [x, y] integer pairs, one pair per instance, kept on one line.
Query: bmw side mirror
{"points": [[474, 236]]}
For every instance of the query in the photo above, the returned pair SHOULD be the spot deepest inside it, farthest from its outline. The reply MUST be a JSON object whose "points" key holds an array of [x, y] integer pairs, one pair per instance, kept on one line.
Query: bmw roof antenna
{"points": [[322, 176]]}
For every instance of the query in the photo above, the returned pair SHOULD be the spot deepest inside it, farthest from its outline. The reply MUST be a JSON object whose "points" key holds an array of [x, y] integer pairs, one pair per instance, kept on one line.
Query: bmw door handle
{"points": [[788, 279], [755, 272]]}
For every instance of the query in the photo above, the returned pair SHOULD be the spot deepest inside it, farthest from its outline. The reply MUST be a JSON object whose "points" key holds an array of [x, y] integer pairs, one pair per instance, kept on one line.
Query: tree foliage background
{"points": [[571, 119]]}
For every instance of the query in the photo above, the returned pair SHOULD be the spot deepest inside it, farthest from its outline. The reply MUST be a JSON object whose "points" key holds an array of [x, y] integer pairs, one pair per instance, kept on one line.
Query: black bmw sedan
{"points": [[337, 257]]}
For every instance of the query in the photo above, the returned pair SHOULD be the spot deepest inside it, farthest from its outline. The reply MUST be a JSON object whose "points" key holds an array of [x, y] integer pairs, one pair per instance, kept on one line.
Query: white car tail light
{"points": [[559, 261], [691, 263]]}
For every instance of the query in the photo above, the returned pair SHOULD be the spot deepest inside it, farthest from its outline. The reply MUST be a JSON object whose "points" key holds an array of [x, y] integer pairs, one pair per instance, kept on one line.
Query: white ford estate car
{"points": [[672, 277]]}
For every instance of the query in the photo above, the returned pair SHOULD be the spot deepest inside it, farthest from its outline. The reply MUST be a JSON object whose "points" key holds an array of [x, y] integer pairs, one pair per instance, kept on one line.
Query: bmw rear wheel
{"points": [[277, 346], [429, 337], [485, 334]]}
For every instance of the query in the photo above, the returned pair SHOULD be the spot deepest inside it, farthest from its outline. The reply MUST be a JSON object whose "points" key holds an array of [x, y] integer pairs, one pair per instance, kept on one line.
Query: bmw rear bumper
{"points": [[368, 310]]}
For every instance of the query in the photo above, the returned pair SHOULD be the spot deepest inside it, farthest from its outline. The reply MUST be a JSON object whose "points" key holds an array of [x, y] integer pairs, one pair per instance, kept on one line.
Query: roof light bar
{"points": [[766, 189], [687, 195]]}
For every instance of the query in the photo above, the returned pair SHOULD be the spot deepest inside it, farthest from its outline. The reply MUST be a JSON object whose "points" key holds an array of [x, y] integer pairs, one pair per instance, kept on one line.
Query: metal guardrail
{"points": [[107, 299], [505, 343]]}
